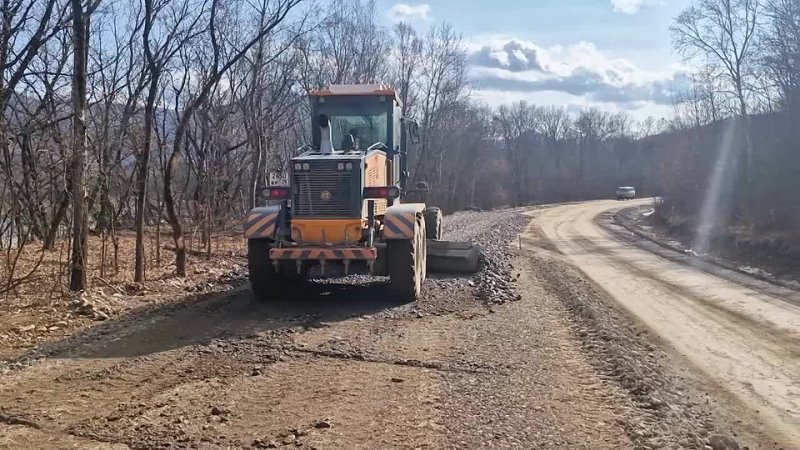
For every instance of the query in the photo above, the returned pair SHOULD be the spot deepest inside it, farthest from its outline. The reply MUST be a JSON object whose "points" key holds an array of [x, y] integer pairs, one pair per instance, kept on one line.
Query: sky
{"points": [[612, 54]]}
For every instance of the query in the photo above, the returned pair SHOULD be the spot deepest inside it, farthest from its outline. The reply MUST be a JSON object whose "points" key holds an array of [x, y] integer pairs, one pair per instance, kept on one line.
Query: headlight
{"points": [[298, 166], [349, 166], [306, 166], [340, 166]]}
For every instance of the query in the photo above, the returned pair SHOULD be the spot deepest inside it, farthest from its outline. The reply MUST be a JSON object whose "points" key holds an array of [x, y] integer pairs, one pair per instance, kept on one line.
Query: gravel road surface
{"points": [[745, 338], [527, 353]]}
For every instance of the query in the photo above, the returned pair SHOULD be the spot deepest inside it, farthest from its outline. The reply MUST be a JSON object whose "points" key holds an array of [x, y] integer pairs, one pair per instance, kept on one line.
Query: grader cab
{"points": [[344, 203]]}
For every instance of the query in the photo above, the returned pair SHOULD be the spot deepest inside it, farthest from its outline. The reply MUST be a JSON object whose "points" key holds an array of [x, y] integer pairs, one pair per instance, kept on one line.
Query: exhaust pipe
{"points": [[326, 144]]}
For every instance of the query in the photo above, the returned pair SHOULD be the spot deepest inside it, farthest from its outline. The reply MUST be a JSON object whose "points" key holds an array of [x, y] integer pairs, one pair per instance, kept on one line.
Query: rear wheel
{"points": [[433, 223], [406, 264], [267, 285]]}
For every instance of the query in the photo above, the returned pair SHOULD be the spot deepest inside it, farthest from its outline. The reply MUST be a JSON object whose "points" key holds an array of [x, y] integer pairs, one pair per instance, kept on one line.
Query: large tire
{"points": [[423, 248], [267, 285], [406, 264], [433, 223]]}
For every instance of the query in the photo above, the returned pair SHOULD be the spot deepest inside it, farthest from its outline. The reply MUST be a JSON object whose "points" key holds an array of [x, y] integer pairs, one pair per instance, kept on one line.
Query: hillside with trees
{"points": [[730, 166]]}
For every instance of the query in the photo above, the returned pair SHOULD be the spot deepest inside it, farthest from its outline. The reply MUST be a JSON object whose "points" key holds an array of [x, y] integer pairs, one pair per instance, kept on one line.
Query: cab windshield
{"points": [[365, 130]]}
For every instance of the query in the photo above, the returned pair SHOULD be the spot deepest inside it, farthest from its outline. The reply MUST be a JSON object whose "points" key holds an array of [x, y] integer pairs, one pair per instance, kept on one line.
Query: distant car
{"points": [[626, 193]]}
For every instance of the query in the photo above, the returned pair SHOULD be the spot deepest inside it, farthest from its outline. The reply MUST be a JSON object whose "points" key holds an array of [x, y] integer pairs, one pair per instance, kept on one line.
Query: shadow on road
{"points": [[227, 315]]}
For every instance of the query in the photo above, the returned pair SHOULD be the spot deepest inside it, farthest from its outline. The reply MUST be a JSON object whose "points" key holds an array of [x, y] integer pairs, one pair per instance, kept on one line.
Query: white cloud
{"points": [[579, 73], [401, 12], [631, 6]]}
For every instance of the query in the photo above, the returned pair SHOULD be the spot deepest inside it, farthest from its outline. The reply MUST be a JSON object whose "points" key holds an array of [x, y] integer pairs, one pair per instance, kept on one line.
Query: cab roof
{"points": [[356, 89]]}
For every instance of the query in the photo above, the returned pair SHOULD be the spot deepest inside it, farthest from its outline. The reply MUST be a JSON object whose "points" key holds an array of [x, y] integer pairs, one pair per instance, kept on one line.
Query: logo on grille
{"points": [[325, 195]]}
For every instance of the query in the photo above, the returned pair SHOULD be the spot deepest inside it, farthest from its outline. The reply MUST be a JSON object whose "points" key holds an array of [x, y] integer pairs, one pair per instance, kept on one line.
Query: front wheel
{"points": [[265, 282]]}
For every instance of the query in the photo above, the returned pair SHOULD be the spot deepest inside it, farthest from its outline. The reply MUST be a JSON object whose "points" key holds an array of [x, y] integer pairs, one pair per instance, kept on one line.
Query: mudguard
{"points": [[261, 222], [400, 220]]}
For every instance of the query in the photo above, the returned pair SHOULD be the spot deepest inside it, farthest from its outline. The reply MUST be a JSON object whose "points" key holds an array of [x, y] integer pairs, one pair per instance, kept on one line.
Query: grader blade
{"points": [[453, 257]]}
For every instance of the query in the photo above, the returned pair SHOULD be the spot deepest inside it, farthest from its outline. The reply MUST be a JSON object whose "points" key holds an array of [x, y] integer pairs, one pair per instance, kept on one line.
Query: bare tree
{"points": [[271, 105], [406, 65], [80, 17], [592, 128], [517, 126], [181, 27], [442, 86], [723, 33], [348, 46], [278, 13], [781, 49], [705, 101], [555, 125], [26, 29]]}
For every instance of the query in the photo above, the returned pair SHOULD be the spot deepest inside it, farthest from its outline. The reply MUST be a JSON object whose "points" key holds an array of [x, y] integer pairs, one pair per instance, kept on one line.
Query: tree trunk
{"points": [[172, 213], [79, 223], [158, 232], [254, 175], [748, 145], [142, 171], [115, 243], [52, 232], [143, 162], [209, 228], [180, 132]]}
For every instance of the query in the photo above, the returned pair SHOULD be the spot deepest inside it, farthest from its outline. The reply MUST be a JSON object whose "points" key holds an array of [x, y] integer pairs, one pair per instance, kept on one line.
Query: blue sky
{"points": [[613, 54]]}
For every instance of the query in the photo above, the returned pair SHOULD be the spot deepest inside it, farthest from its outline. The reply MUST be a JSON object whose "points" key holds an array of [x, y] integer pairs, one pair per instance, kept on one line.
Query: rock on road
{"points": [[743, 334]]}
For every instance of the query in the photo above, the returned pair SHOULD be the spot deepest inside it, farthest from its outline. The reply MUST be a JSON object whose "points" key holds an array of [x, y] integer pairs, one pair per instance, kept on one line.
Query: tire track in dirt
{"points": [[150, 378], [782, 342]]}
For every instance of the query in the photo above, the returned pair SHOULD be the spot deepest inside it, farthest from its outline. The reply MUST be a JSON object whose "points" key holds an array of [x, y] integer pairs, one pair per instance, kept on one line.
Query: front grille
{"points": [[308, 199]]}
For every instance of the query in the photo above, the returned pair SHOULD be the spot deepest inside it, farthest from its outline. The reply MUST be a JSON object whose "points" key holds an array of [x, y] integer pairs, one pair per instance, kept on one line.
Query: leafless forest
{"points": [[155, 122], [731, 163]]}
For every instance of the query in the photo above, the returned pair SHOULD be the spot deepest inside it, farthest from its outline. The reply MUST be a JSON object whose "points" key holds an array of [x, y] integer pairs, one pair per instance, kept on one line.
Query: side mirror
{"points": [[412, 128]]}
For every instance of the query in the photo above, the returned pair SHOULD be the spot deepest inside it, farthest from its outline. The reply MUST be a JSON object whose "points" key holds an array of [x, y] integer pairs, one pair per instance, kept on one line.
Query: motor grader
{"points": [[344, 202]]}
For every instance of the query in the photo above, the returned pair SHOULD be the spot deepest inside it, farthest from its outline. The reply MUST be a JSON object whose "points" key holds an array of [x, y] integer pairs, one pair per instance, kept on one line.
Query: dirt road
{"points": [[334, 366], [743, 334], [525, 354]]}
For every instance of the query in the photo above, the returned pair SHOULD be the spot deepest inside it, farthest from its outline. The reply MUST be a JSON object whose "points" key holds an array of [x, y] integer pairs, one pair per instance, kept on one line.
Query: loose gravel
{"points": [[467, 364], [491, 231]]}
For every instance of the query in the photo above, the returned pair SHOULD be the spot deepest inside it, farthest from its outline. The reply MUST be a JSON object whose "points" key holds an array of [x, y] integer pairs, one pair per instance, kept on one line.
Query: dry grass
{"points": [[40, 307], [45, 272]]}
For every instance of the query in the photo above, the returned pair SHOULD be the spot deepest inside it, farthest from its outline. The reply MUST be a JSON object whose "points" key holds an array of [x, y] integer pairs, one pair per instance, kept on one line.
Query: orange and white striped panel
{"points": [[399, 226], [400, 220], [261, 223]]}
